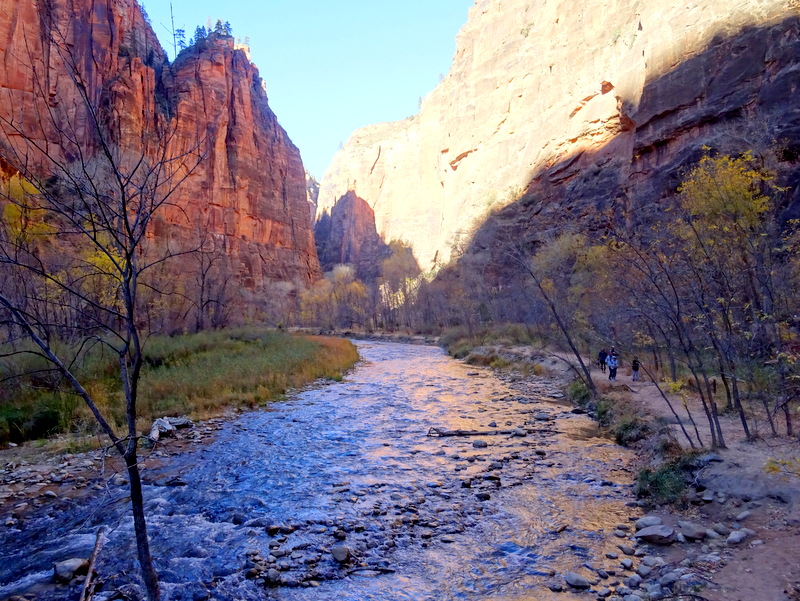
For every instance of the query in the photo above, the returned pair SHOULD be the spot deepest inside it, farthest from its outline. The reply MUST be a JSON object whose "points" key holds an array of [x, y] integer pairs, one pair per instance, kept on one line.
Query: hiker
{"points": [[613, 364], [601, 359], [635, 369]]}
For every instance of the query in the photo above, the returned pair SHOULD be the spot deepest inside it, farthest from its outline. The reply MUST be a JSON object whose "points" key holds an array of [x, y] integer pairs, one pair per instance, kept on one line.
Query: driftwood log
{"points": [[433, 431], [89, 585]]}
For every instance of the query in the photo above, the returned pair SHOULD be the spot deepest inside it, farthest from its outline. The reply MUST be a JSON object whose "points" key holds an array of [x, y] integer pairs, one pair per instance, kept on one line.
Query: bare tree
{"points": [[74, 252], [561, 258]]}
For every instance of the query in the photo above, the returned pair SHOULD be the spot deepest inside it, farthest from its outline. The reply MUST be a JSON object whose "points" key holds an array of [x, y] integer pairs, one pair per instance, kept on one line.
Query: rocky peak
{"points": [[248, 194], [347, 235]]}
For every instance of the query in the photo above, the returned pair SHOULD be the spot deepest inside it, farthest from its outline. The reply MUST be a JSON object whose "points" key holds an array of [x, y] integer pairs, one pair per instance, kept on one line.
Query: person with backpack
{"points": [[601, 359]]}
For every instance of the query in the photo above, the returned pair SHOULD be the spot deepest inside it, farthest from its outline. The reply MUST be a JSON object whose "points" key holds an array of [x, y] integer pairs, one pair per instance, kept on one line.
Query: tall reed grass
{"points": [[199, 375]]}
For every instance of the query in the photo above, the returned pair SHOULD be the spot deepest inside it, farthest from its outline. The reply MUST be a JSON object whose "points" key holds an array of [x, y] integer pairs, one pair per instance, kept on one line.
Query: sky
{"points": [[331, 67]]}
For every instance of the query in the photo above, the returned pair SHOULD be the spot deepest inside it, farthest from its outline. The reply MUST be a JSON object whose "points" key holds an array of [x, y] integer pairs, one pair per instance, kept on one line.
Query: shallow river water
{"points": [[350, 463]]}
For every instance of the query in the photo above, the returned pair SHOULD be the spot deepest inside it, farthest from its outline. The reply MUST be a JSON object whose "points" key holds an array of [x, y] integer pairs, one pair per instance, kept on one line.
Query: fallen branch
{"points": [[88, 585], [379, 570], [433, 431]]}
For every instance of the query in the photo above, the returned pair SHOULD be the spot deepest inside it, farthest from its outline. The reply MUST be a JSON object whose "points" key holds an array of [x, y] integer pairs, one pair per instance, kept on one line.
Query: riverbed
{"points": [[257, 513]]}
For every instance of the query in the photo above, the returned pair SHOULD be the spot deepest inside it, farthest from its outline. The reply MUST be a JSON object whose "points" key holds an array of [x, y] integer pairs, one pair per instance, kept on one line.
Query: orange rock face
{"points": [[248, 193], [348, 235], [579, 106]]}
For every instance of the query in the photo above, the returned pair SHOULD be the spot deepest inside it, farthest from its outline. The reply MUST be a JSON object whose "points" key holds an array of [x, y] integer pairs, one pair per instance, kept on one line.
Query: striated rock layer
{"points": [[247, 196], [575, 107]]}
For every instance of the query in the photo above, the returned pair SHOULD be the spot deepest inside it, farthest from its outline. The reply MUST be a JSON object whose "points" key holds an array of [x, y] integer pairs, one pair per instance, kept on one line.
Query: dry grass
{"points": [[197, 375]]}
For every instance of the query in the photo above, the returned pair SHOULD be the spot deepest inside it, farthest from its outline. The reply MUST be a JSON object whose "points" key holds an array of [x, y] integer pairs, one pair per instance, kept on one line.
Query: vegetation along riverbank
{"points": [[730, 515], [197, 375]]}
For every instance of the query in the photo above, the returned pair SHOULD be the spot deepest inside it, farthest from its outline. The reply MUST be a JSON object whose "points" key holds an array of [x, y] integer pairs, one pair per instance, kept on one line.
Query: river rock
{"points": [[161, 427], [721, 529], [480, 444], [743, 516], [341, 553], [626, 563], [648, 520], [576, 580], [692, 531], [736, 537], [658, 535], [66, 570]]}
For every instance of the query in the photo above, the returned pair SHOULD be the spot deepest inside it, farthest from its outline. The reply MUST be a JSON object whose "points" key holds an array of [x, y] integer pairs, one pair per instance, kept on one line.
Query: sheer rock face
{"points": [[576, 108], [247, 194], [348, 235]]}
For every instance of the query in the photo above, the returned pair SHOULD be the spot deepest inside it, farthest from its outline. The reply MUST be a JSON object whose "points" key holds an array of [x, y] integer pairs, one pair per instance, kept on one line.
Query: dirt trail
{"points": [[768, 570]]}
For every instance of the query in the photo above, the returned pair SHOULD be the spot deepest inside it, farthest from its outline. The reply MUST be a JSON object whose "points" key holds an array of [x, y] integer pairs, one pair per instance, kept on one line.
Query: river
{"points": [[350, 464]]}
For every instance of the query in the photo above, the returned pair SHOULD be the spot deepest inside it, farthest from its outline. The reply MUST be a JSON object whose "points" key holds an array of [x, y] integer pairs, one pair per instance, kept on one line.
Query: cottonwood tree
{"points": [[74, 243], [561, 270], [709, 282]]}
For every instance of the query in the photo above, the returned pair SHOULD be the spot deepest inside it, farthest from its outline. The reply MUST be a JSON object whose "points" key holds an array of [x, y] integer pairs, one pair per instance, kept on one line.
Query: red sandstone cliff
{"points": [[575, 108], [347, 235], [248, 194]]}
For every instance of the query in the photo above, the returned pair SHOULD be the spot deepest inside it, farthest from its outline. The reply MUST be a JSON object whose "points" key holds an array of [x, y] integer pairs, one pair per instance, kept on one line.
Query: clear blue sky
{"points": [[332, 67]]}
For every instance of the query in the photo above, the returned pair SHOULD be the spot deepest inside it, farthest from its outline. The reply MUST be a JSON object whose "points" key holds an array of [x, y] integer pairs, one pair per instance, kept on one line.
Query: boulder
{"points": [[66, 570], [736, 537], [648, 520], [692, 531], [161, 427], [341, 553], [576, 580], [658, 535]]}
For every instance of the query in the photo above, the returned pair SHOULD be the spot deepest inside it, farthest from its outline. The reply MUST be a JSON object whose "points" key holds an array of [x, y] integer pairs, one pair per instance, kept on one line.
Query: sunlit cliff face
{"points": [[536, 85], [246, 197]]}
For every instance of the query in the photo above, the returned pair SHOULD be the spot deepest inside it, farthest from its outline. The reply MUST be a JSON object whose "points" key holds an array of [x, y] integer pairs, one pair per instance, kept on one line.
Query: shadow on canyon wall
{"points": [[740, 94], [348, 235]]}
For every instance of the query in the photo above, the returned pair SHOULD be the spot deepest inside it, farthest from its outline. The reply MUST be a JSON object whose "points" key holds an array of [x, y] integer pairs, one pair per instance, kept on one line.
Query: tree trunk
{"points": [[140, 527]]}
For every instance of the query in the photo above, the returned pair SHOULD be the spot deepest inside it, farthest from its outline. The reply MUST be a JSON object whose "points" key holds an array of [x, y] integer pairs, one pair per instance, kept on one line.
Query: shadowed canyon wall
{"points": [[246, 198], [575, 109], [348, 235]]}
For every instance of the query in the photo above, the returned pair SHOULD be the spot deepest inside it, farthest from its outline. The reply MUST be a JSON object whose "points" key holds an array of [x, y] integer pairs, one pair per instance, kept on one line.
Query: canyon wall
{"points": [[246, 197], [559, 111]]}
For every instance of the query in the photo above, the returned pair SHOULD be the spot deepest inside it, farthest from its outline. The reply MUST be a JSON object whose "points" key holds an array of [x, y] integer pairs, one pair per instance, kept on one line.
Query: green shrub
{"points": [[460, 349], [579, 392], [629, 428], [663, 484], [604, 410]]}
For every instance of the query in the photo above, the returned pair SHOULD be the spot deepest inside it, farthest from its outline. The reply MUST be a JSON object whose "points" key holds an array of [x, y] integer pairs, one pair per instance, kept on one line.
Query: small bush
{"points": [[629, 429], [460, 349], [663, 484], [604, 410], [480, 359], [579, 392], [499, 363]]}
